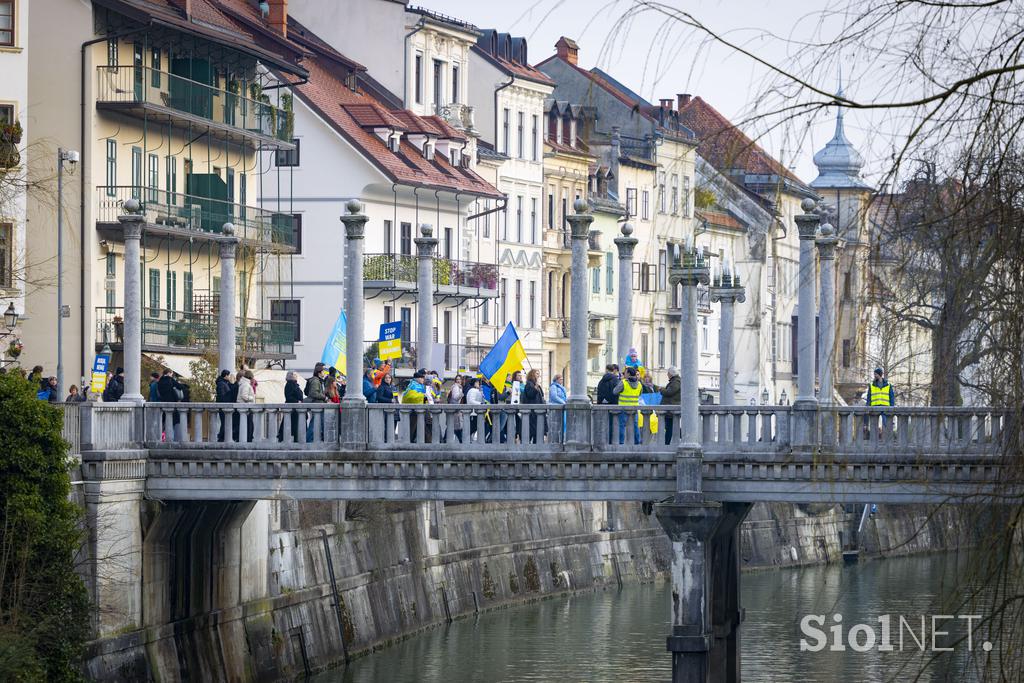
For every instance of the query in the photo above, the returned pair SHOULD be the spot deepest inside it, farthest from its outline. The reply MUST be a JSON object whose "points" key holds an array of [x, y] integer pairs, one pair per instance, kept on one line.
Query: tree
{"points": [[44, 607]]}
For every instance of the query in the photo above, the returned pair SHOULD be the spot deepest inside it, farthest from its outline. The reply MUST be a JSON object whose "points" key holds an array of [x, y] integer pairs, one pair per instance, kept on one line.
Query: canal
{"points": [[619, 636]]}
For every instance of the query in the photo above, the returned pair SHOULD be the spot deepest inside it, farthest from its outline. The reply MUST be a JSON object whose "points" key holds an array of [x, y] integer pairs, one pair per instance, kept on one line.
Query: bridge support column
{"points": [[624, 326], [689, 269], [827, 241], [426, 246], [578, 406], [226, 320], [805, 408], [728, 291], [113, 510], [353, 419], [131, 223]]}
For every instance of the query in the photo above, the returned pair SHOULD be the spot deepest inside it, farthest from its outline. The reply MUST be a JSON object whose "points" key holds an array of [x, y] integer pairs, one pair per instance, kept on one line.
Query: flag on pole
{"points": [[335, 350], [504, 358]]}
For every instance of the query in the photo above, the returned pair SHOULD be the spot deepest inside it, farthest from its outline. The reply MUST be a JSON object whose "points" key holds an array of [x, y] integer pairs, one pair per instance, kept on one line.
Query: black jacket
{"points": [[671, 392], [385, 393], [292, 392], [114, 389], [223, 390], [167, 388], [605, 393], [532, 394]]}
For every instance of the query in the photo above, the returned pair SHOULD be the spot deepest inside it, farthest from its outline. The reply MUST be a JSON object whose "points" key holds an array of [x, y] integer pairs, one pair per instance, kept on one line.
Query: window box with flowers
{"points": [[10, 138]]}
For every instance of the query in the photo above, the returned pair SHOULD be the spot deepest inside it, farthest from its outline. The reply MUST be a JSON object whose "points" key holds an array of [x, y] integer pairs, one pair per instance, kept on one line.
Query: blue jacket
{"points": [[556, 394], [369, 391]]}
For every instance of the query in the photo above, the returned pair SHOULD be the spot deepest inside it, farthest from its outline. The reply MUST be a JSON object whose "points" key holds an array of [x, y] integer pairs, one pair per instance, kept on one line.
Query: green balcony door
{"points": [[139, 71], [192, 91], [210, 194]]}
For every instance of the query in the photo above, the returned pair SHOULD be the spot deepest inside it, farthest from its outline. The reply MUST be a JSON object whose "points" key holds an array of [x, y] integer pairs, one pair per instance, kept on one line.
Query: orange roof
{"points": [[719, 218]]}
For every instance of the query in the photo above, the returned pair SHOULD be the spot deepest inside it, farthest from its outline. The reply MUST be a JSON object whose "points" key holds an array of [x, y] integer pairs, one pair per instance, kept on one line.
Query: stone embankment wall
{"points": [[393, 576]]}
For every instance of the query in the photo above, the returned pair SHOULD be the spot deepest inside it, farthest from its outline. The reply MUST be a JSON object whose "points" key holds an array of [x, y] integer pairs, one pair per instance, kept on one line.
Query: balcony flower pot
{"points": [[15, 348], [11, 132], [9, 155]]}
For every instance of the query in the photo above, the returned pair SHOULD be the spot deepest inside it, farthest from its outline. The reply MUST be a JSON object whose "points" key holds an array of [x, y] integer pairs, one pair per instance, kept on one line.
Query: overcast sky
{"points": [[657, 60]]}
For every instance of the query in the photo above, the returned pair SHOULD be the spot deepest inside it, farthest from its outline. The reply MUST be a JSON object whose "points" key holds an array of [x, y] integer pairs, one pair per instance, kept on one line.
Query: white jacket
{"points": [[246, 393]]}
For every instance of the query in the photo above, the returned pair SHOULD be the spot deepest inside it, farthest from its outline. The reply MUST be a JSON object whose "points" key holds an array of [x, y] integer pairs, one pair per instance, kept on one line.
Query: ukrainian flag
{"points": [[506, 357]]}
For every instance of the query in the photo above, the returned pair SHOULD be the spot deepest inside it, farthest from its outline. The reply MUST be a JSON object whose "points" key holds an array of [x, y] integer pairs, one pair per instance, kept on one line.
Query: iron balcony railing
{"points": [[142, 85], [401, 269], [456, 356], [190, 213], [167, 330]]}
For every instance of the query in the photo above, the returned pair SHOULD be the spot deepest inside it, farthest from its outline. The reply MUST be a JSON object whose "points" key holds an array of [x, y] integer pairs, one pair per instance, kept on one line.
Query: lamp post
{"points": [[10, 322], [71, 157]]}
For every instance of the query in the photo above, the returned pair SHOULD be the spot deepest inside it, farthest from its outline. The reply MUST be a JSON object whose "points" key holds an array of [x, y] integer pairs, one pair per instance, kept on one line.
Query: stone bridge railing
{"points": [[540, 428]]}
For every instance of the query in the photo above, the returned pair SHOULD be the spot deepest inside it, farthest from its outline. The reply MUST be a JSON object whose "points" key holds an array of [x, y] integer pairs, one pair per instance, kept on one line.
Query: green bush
{"points": [[44, 607]]}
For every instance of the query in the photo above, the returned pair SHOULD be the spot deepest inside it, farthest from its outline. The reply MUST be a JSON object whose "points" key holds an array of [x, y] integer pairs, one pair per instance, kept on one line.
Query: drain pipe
{"points": [[511, 80], [334, 594]]}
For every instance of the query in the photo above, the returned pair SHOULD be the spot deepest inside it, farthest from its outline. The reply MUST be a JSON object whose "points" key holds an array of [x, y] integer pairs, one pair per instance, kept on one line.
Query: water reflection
{"points": [[620, 636]]}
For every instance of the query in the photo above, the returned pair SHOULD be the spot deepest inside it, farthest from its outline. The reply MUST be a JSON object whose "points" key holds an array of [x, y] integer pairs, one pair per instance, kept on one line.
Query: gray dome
{"points": [[839, 163]]}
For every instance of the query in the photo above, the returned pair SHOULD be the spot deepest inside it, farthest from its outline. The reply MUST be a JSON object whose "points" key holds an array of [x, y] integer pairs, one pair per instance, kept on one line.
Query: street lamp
{"points": [[10, 317], [764, 397], [71, 157], [783, 398]]}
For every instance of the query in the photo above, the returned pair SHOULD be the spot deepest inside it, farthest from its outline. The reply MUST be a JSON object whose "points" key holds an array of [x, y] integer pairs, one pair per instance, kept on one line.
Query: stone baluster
{"points": [[226, 319], [578, 404], [624, 337], [131, 223], [353, 416], [805, 407], [426, 246]]}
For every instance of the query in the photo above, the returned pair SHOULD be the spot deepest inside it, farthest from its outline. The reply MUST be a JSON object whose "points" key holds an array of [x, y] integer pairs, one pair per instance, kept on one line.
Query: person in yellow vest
{"points": [[628, 390], [880, 394]]}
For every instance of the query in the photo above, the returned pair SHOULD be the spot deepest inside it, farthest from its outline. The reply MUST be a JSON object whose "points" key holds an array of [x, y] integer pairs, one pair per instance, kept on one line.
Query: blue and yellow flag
{"points": [[335, 350], [506, 357]]}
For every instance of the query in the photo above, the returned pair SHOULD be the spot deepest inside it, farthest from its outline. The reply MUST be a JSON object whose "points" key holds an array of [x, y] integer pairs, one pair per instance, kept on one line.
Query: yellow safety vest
{"points": [[879, 395], [630, 396]]}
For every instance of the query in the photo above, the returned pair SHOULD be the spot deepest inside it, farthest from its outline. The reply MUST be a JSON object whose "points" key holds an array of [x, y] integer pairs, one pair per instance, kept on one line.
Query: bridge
{"points": [[704, 466]]}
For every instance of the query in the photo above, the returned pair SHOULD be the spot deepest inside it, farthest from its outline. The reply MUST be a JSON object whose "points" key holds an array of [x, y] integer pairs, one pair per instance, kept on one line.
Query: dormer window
{"points": [[572, 132], [558, 130], [394, 142], [428, 150], [455, 157]]}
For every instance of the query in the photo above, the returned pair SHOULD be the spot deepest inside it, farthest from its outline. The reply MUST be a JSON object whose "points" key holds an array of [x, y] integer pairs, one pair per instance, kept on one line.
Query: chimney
{"points": [[683, 100], [666, 103], [567, 49], [278, 17]]}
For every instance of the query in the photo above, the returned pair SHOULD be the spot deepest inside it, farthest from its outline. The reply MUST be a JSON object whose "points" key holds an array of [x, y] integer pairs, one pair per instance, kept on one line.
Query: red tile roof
{"points": [[719, 218], [725, 146], [446, 129], [328, 95], [372, 115]]}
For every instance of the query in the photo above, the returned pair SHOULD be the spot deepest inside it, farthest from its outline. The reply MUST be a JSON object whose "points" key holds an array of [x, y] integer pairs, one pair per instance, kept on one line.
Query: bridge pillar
{"points": [[426, 246], [827, 242], [228, 300], [624, 330], [805, 407], [578, 406], [353, 418], [113, 489], [132, 223]]}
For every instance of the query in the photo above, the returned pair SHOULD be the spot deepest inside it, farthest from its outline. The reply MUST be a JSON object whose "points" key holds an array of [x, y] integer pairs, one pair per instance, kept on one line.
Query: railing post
{"points": [[805, 407], [353, 427], [132, 223], [624, 335], [226, 316], [426, 245], [691, 270], [578, 404]]}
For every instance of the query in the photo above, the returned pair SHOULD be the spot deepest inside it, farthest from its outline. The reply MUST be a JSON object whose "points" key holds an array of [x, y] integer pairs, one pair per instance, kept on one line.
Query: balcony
{"points": [[397, 272], [455, 356], [190, 217], [172, 99], [193, 332]]}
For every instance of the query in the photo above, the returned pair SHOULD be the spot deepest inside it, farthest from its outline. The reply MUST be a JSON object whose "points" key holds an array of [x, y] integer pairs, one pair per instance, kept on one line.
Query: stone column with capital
{"points": [[226, 341], [353, 424], [578, 404], [624, 336], [727, 290], [132, 222], [426, 248], [827, 241], [805, 406]]}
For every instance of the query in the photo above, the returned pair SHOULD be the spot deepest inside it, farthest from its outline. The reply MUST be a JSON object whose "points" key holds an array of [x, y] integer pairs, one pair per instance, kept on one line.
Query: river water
{"points": [[619, 635]]}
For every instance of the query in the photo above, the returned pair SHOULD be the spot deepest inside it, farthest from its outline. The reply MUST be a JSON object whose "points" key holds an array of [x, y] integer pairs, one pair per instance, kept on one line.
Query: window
{"points": [[644, 341], [503, 219], [522, 134], [448, 243], [661, 192], [154, 178], [504, 301], [847, 353], [595, 280], [172, 292], [661, 347], [112, 52], [171, 177], [662, 270], [389, 246], [504, 130], [609, 348], [297, 224], [455, 83], [704, 333], [438, 82], [551, 210], [111, 168], [7, 255], [288, 311], [229, 180], [533, 303], [519, 303], [406, 315], [418, 78], [565, 212], [243, 192], [154, 64], [549, 303], [645, 206], [485, 313], [487, 219], [519, 218], [535, 138], [847, 286], [673, 345], [630, 202], [187, 290], [686, 196], [154, 293], [674, 192], [287, 157], [609, 273], [405, 244], [533, 220], [136, 172]]}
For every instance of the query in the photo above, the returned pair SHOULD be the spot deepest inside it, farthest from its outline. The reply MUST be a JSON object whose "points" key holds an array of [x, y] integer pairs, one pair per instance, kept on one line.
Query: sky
{"points": [[659, 59]]}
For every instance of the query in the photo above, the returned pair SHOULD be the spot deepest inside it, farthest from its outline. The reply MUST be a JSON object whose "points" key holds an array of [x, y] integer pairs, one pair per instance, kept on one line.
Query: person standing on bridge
{"points": [[671, 394], [606, 392], [880, 394], [628, 391]]}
